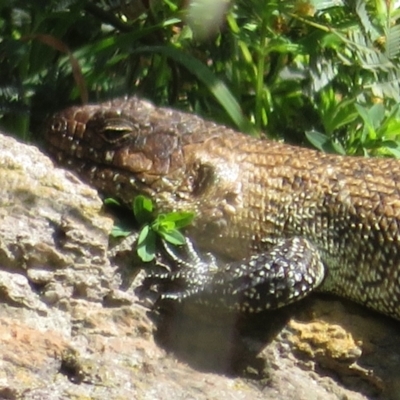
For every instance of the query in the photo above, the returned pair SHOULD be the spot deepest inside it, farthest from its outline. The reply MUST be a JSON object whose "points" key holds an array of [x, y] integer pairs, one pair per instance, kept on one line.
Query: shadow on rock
{"points": [[215, 340]]}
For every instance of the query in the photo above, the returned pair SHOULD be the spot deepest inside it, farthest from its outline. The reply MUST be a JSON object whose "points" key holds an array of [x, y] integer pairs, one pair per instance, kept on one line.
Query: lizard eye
{"points": [[117, 130]]}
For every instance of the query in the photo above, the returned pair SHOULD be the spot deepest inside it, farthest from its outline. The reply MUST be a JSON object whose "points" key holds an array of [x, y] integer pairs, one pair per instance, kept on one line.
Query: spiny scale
{"points": [[288, 219]]}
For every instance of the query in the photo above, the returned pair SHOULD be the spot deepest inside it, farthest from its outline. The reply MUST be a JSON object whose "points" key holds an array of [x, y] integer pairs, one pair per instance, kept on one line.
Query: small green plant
{"points": [[166, 226]]}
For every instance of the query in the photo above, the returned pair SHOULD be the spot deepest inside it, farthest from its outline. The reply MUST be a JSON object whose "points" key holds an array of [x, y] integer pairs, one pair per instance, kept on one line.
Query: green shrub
{"points": [[324, 72]]}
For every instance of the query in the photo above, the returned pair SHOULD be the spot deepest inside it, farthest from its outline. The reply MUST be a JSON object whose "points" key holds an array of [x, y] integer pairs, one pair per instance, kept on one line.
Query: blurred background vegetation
{"points": [[323, 73]]}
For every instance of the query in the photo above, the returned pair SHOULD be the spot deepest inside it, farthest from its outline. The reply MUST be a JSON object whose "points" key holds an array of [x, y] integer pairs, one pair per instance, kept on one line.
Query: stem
{"points": [[260, 73]]}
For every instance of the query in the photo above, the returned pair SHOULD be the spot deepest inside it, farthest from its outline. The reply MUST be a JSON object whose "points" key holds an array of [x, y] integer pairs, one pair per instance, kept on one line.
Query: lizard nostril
{"points": [[58, 125]]}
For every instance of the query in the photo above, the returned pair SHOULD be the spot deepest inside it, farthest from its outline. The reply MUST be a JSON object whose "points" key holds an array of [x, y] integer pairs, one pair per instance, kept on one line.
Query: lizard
{"points": [[285, 220]]}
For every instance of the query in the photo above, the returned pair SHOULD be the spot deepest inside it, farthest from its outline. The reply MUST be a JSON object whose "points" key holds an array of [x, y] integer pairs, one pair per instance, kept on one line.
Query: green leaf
{"points": [[392, 147], [142, 209], [377, 113], [109, 201], [181, 219], [338, 148], [343, 114], [146, 245], [317, 139], [390, 128], [393, 41], [394, 152], [143, 235], [118, 231], [173, 236], [372, 118], [172, 220], [208, 78], [161, 223], [324, 143]]}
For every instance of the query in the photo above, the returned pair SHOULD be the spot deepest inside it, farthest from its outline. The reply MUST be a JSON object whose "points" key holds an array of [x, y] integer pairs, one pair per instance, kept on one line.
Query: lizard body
{"points": [[290, 219]]}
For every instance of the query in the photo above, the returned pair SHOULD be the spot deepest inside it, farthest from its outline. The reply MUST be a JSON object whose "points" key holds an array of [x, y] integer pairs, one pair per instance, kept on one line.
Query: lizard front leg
{"points": [[286, 273]]}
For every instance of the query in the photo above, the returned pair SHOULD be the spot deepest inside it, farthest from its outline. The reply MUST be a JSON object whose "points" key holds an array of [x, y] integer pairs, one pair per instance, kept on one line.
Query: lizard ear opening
{"points": [[204, 176]]}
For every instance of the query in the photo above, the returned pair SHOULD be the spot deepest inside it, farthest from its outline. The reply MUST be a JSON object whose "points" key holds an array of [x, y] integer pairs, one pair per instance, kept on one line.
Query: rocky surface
{"points": [[71, 325]]}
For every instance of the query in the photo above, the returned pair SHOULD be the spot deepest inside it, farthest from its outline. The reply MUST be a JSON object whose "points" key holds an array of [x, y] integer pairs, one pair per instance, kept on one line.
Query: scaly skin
{"points": [[252, 198]]}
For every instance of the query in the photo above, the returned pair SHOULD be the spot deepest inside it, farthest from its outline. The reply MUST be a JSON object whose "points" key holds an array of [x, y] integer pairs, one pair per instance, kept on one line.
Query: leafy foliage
{"points": [[324, 72], [166, 226]]}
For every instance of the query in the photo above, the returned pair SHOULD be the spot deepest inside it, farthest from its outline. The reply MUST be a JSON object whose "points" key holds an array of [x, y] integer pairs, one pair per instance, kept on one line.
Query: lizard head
{"points": [[129, 147]]}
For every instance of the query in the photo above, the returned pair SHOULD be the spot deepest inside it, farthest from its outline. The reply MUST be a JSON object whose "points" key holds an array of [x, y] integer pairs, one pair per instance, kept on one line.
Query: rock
{"points": [[72, 326]]}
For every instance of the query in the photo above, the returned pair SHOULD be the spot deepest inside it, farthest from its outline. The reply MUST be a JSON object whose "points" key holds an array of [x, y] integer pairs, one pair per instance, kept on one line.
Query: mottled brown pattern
{"points": [[247, 193]]}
